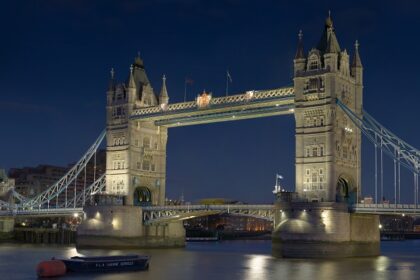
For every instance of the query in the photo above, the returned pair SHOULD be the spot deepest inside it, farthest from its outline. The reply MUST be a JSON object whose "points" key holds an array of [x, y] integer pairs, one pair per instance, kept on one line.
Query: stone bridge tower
{"points": [[136, 150], [328, 145]]}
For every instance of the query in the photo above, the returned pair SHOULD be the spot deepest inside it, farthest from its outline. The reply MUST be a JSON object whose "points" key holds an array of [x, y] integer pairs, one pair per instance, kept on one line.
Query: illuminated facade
{"points": [[328, 145], [136, 150]]}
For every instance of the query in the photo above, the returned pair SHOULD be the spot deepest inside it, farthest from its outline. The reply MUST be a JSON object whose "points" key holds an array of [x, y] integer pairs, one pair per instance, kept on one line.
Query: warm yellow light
{"points": [[380, 226], [76, 215]]}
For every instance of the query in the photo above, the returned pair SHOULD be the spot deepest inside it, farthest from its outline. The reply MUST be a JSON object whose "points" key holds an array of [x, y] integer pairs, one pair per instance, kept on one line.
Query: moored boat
{"points": [[59, 267], [107, 263]]}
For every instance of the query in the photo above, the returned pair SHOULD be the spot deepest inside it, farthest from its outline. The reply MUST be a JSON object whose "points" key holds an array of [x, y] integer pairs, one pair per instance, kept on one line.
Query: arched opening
{"points": [[142, 197], [344, 191]]}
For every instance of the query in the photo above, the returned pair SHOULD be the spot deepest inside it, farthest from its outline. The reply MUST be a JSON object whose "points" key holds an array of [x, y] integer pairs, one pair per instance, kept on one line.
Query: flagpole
{"points": [[185, 90], [227, 83]]}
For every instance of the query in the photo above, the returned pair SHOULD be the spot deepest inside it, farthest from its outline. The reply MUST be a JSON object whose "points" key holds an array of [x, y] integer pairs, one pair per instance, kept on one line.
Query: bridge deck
{"points": [[251, 104]]}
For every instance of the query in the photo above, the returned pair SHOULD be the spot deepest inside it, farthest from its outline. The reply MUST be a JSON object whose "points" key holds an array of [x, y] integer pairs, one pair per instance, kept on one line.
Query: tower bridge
{"points": [[325, 219]]}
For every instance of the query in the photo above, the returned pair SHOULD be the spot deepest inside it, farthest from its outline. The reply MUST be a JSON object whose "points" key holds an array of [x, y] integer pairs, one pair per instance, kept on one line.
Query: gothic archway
{"points": [[142, 197], [345, 191]]}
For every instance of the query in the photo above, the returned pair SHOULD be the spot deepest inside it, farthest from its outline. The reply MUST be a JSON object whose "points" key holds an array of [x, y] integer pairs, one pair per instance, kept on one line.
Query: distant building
{"points": [[6, 183], [229, 223], [31, 181]]}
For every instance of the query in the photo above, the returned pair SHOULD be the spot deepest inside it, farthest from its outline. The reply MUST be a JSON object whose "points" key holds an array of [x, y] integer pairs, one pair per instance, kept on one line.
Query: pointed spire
{"points": [[163, 97], [112, 80], [356, 57], [299, 52], [138, 62], [328, 42], [131, 82]]}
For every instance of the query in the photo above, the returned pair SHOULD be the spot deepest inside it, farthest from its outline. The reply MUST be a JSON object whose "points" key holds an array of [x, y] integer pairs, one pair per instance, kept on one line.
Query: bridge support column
{"points": [[323, 230], [119, 227], [7, 226]]}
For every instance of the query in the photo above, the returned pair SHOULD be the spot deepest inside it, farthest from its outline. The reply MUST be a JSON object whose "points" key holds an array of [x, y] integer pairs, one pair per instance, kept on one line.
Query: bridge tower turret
{"points": [[328, 145], [136, 150]]}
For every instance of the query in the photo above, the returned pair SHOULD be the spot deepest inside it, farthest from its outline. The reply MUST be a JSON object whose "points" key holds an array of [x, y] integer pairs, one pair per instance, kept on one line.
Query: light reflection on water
{"points": [[226, 260]]}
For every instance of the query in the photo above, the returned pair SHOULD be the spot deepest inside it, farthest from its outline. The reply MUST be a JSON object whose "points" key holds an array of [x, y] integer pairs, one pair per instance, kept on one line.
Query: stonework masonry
{"points": [[328, 145]]}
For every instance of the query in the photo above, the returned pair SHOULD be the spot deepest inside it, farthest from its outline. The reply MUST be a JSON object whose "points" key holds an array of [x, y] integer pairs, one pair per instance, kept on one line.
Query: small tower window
{"points": [[146, 165], [314, 151], [146, 142], [321, 151], [313, 65]]}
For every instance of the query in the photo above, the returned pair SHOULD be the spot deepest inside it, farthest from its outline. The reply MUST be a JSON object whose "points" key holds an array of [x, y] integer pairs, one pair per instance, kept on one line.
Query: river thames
{"points": [[226, 260]]}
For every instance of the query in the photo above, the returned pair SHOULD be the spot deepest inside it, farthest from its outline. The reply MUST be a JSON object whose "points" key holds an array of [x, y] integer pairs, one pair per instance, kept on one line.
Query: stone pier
{"points": [[119, 227], [323, 230], [7, 225]]}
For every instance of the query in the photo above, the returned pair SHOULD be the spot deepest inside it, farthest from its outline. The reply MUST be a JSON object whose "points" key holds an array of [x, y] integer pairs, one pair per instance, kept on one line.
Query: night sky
{"points": [[56, 56]]}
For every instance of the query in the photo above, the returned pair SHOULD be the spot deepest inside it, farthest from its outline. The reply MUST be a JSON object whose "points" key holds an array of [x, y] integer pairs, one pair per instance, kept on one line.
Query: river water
{"points": [[226, 260]]}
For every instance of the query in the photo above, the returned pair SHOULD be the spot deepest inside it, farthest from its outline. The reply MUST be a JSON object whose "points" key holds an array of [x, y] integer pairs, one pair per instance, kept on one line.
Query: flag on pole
{"points": [[188, 81], [279, 176], [228, 76]]}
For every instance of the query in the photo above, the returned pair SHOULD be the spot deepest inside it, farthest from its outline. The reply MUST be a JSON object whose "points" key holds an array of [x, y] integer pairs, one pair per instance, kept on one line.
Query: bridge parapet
{"points": [[386, 209], [253, 96], [161, 214]]}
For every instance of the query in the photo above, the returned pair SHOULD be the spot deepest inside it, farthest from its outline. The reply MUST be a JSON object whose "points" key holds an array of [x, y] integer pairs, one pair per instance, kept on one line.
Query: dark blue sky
{"points": [[56, 55]]}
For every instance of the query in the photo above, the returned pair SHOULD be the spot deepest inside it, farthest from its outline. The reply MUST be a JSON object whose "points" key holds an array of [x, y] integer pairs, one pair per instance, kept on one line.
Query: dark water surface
{"points": [[226, 260]]}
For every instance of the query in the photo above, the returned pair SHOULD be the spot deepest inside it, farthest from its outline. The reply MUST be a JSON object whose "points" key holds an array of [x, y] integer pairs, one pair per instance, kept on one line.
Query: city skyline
{"points": [[66, 97]]}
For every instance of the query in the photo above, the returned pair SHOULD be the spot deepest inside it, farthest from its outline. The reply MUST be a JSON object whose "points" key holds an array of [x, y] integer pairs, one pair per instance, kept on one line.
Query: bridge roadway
{"points": [[161, 214], [250, 104]]}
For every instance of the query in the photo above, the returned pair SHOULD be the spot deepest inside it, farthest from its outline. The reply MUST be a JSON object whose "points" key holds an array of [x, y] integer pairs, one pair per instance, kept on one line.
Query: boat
{"points": [[59, 267], [107, 263]]}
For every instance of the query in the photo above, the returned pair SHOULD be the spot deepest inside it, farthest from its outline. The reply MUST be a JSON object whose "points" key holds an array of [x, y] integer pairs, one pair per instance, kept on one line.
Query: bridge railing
{"points": [[225, 100], [157, 213]]}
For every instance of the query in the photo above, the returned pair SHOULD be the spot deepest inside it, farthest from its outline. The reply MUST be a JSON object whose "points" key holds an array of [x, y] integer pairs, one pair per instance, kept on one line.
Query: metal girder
{"points": [[94, 188], [386, 209], [381, 137], [162, 214], [55, 190]]}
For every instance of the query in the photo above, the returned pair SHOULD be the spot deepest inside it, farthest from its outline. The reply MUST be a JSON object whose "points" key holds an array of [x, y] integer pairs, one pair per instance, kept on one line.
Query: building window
{"points": [[146, 165], [345, 153], [308, 152], [146, 142], [308, 172], [153, 167], [321, 150], [138, 165], [314, 177], [321, 121], [314, 151], [313, 65], [321, 171]]}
